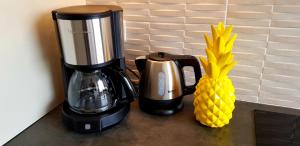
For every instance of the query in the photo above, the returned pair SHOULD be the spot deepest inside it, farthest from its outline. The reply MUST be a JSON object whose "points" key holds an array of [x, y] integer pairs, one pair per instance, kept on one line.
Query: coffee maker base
{"points": [[161, 107], [88, 123]]}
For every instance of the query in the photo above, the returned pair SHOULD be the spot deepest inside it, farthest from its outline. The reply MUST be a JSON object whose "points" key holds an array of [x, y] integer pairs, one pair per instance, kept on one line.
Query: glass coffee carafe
{"points": [[90, 92]]}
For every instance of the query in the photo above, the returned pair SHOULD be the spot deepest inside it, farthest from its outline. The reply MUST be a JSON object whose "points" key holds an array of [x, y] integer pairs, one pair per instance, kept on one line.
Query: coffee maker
{"points": [[98, 93]]}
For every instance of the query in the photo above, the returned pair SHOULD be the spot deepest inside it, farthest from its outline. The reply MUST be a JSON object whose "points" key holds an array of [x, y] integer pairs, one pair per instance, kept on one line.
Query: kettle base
{"points": [[161, 107]]}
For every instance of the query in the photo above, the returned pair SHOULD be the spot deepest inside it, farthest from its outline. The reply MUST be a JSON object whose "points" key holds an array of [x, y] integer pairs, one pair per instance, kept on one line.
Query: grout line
{"points": [[226, 11], [184, 28], [265, 57], [148, 27]]}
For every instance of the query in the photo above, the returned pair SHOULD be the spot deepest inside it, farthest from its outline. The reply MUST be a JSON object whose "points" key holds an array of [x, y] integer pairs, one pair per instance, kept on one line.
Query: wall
{"points": [[30, 81], [267, 49]]}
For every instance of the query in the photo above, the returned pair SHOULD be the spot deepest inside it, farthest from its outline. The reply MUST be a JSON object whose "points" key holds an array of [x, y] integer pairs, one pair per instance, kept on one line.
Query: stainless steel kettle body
{"points": [[162, 83]]}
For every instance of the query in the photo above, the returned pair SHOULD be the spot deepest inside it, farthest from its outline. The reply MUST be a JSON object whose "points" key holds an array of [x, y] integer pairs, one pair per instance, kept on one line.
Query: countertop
{"points": [[141, 129]]}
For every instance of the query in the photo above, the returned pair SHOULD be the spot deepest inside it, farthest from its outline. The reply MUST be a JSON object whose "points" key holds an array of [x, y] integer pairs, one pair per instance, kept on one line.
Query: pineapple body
{"points": [[214, 101]]}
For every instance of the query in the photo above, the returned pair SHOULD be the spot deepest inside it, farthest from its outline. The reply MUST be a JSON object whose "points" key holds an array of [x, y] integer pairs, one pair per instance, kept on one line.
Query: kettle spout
{"points": [[140, 63]]}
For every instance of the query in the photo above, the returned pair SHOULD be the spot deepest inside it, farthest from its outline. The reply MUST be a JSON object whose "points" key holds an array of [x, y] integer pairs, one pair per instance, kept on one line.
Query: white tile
{"points": [[293, 81], [248, 22], [240, 91], [136, 18], [283, 59], [135, 24], [188, 39], [250, 8], [247, 62], [171, 26], [285, 23], [133, 1], [279, 102], [285, 31], [247, 98], [282, 66], [284, 52], [129, 12], [253, 37], [167, 44], [137, 36], [283, 46], [166, 38], [286, 16], [287, 8], [137, 41], [167, 1], [134, 5], [167, 32], [159, 6], [136, 52], [197, 27], [250, 30], [245, 85], [248, 80], [167, 13], [249, 15], [280, 91], [196, 52], [282, 69], [137, 30], [245, 68], [194, 46], [203, 20], [136, 47], [167, 19], [286, 2], [214, 14], [206, 7], [197, 34], [275, 83], [245, 73], [167, 49], [253, 2], [206, 1], [285, 39], [249, 43], [102, 2]]}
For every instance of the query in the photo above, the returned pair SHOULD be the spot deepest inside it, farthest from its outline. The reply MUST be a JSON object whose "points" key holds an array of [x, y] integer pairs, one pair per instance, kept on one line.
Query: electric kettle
{"points": [[162, 83]]}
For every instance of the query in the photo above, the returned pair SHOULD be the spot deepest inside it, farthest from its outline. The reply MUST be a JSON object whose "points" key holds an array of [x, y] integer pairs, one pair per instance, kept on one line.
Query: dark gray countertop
{"points": [[141, 129]]}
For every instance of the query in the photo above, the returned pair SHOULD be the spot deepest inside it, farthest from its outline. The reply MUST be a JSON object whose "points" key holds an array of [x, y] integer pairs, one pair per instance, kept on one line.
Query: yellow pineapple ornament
{"points": [[214, 95]]}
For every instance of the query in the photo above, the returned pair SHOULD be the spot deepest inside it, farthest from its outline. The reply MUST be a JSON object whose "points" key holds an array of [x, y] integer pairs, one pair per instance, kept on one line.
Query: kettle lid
{"points": [[161, 56]]}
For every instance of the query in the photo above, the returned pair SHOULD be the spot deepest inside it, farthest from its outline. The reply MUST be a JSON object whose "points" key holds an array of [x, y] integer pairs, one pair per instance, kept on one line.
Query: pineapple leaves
{"points": [[210, 56], [214, 70], [214, 33], [204, 64], [221, 28], [219, 52], [227, 33], [208, 41], [225, 70], [229, 44]]}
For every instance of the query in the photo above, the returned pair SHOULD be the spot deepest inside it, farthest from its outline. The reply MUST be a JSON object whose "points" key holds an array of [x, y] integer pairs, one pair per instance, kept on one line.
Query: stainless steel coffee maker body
{"points": [[162, 83], [97, 90]]}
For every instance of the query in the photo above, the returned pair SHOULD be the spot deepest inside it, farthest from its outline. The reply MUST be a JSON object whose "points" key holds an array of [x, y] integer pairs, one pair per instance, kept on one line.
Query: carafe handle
{"points": [[128, 86]]}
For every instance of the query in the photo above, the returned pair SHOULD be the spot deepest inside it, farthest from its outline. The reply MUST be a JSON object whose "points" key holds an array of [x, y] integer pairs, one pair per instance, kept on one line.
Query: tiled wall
{"points": [[267, 48]]}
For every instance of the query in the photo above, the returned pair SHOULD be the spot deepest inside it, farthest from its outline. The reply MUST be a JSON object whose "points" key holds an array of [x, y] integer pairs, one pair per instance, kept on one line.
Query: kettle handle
{"points": [[187, 60], [140, 63], [128, 86]]}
